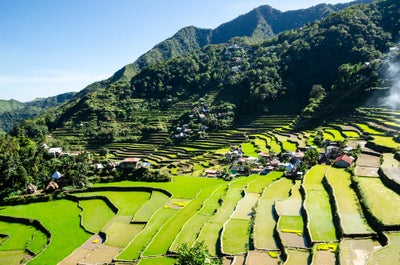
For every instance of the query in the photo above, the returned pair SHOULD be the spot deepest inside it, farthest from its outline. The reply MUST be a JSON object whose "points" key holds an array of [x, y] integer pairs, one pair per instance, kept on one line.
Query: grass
{"points": [[137, 245], [22, 236], [166, 235], [192, 228], [210, 230], [95, 214], [291, 224], [384, 204], [274, 146], [337, 136], [157, 200], [128, 202], [157, 261], [235, 236], [12, 257], [119, 234], [61, 217], [389, 254], [249, 149], [352, 219], [244, 208], [262, 181], [351, 134], [385, 141], [318, 206], [368, 130], [180, 187], [261, 144], [264, 222]]}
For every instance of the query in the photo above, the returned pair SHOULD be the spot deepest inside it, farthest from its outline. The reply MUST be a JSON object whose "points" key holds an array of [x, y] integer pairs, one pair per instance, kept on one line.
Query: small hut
{"points": [[52, 186], [31, 189]]}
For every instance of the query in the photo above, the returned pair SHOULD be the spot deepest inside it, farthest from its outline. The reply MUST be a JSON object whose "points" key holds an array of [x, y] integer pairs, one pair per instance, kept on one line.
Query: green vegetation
{"points": [[368, 130], [385, 141], [120, 233], [166, 235], [20, 237], [95, 214], [236, 236], [262, 181], [157, 261], [196, 255], [264, 222], [351, 217], [382, 204], [127, 202], [291, 224], [318, 206], [138, 244], [182, 115], [192, 228], [389, 254], [61, 218], [157, 200], [249, 149]]}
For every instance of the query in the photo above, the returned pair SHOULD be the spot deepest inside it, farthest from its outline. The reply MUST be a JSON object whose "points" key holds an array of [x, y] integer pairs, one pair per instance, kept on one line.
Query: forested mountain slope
{"points": [[319, 68]]}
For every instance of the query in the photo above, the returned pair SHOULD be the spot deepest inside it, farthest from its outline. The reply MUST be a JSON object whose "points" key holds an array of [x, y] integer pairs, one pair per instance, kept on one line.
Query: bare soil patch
{"points": [[366, 171], [93, 251], [238, 260], [324, 258], [357, 251], [260, 258], [102, 255], [244, 209], [292, 240], [290, 207], [368, 160]]}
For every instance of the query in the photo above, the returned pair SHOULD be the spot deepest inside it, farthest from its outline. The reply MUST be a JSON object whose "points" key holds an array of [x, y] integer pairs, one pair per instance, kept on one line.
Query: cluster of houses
{"points": [[289, 162]]}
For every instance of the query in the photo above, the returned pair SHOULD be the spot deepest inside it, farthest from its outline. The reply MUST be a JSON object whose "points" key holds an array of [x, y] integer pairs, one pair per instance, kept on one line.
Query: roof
{"points": [[56, 175], [131, 160], [345, 158], [264, 154], [54, 150], [211, 171]]}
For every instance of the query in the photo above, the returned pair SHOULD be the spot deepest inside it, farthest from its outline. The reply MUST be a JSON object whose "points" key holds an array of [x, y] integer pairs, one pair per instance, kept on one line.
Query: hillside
{"points": [[309, 69], [12, 111], [257, 25]]}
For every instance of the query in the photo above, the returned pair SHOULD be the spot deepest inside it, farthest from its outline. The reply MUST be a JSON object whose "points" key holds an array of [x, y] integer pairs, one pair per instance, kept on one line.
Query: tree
{"points": [[196, 255]]}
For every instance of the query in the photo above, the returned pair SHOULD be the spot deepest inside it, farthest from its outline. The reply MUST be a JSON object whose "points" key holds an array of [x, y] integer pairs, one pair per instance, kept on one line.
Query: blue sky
{"points": [[50, 47]]}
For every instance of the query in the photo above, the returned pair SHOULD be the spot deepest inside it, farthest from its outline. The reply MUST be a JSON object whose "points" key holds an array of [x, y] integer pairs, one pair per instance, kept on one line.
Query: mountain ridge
{"points": [[223, 33]]}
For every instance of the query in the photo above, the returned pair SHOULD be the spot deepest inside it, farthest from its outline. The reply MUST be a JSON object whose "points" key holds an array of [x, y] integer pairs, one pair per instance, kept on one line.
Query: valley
{"points": [[324, 217]]}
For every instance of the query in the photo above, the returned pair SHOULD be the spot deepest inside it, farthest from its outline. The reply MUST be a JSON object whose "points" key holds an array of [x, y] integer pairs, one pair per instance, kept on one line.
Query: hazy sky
{"points": [[48, 47]]}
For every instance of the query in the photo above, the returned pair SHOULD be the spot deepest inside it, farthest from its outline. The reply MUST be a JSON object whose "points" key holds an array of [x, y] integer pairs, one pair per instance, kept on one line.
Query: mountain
{"points": [[317, 71], [259, 24], [13, 111]]}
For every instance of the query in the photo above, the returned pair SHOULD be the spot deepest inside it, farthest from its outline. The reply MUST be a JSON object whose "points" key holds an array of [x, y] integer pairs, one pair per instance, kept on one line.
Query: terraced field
{"points": [[325, 217]]}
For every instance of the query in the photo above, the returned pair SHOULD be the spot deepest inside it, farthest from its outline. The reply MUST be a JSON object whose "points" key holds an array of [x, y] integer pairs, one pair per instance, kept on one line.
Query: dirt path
{"points": [[92, 251]]}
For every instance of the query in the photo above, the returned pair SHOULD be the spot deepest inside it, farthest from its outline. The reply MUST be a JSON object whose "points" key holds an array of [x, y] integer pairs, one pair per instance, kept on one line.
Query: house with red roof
{"points": [[343, 161]]}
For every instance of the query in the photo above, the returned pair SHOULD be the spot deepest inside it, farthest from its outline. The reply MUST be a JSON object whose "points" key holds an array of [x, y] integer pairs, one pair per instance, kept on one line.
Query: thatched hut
{"points": [[31, 189], [52, 186]]}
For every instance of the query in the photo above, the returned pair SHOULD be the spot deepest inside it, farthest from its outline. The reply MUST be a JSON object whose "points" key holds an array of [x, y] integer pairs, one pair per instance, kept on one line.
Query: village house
{"points": [[130, 163], [264, 157], [343, 161], [212, 173]]}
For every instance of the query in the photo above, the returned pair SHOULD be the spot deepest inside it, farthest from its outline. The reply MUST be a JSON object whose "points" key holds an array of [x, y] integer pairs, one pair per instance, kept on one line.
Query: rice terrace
{"points": [[329, 215], [271, 139]]}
